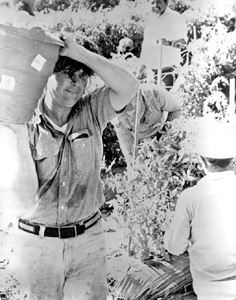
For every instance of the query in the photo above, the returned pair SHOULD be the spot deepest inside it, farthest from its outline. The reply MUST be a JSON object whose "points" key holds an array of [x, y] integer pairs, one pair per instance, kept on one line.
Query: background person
{"points": [[61, 246], [204, 221], [170, 27], [157, 106], [125, 46]]}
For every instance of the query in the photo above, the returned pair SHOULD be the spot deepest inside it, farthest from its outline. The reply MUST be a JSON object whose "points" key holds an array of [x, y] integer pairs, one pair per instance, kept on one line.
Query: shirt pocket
{"points": [[45, 154], [82, 151]]}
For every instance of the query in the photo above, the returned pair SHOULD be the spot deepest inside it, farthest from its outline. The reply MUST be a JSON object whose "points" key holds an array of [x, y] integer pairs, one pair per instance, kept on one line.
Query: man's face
{"points": [[158, 6], [65, 90]]}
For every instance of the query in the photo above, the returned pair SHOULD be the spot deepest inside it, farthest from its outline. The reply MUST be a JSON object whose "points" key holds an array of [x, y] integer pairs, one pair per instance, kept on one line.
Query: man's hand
{"points": [[71, 49], [141, 72], [179, 44], [164, 42]]}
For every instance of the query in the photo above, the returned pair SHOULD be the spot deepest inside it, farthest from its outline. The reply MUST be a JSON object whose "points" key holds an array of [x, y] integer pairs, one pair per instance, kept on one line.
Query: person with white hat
{"points": [[204, 220]]}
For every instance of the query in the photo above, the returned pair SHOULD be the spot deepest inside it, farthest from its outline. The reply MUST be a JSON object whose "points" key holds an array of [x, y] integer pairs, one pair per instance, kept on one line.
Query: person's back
{"points": [[212, 206], [204, 219]]}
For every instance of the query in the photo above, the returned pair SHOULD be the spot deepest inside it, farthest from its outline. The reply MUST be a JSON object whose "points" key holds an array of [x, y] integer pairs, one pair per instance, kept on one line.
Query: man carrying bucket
{"points": [[204, 221], [61, 245]]}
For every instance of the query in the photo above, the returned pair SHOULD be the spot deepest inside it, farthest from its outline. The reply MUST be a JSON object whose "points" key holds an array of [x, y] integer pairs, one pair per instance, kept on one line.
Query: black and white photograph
{"points": [[117, 150]]}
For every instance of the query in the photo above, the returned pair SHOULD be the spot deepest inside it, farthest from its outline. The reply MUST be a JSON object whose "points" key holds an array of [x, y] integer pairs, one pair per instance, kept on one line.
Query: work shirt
{"points": [[170, 25], [155, 104], [204, 224], [68, 164]]}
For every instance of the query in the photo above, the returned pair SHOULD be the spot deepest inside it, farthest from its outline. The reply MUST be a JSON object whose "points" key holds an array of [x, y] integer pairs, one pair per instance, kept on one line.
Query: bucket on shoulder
{"points": [[27, 60]]}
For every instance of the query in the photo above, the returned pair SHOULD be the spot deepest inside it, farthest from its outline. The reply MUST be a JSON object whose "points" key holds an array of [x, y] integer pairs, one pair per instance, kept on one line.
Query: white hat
{"points": [[213, 139]]}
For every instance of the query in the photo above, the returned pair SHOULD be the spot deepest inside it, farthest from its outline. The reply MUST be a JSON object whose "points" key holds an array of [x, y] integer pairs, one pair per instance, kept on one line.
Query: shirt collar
{"points": [[38, 113], [40, 117], [153, 16], [166, 12]]}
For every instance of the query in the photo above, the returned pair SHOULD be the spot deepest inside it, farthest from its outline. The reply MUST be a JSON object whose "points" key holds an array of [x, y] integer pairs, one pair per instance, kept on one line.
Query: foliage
{"points": [[60, 5], [179, 6], [112, 152], [203, 85], [105, 28], [207, 15], [147, 197]]}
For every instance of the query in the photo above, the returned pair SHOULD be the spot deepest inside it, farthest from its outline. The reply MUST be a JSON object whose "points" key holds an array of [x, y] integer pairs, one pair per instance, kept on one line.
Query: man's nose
{"points": [[76, 83], [77, 77]]}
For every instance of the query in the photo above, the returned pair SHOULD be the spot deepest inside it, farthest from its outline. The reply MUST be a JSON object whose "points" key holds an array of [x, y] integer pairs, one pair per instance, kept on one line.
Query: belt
{"points": [[61, 232]]}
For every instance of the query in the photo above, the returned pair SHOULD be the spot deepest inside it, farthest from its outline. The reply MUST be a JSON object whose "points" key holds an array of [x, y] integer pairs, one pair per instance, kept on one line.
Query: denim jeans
{"points": [[69, 269]]}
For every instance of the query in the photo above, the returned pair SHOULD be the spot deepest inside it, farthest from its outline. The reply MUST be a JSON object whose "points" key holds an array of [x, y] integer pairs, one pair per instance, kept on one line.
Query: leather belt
{"points": [[61, 232]]}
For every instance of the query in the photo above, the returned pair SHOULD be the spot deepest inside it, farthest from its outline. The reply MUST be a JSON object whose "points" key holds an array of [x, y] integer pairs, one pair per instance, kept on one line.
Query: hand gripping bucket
{"points": [[27, 59]]}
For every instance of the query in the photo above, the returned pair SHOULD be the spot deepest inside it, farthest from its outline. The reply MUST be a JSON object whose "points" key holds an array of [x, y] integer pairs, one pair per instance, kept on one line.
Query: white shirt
{"points": [[204, 224], [171, 26]]}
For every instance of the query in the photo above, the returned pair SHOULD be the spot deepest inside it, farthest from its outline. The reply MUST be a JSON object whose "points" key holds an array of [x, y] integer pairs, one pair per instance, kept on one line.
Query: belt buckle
{"points": [[41, 231], [66, 229]]}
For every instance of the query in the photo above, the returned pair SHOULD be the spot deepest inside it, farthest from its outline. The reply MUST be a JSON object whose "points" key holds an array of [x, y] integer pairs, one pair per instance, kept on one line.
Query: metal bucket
{"points": [[27, 60]]}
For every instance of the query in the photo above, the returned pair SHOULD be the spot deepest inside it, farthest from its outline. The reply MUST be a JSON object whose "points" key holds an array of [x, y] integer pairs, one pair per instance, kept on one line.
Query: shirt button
{"points": [[63, 183]]}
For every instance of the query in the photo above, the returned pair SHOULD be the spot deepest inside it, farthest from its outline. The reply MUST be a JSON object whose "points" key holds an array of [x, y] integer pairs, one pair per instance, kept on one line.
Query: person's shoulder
{"points": [[153, 92], [146, 88], [172, 11], [161, 94], [148, 92], [93, 95], [193, 193], [190, 191], [174, 14], [151, 19]]}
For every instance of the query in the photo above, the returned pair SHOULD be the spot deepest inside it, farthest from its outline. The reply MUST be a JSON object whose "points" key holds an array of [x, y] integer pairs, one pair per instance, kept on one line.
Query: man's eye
{"points": [[65, 75], [83, 76]]}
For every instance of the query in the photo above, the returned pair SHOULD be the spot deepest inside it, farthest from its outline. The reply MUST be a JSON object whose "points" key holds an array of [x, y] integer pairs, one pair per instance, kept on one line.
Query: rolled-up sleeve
{"points": [[167, 101], [101, 105]]}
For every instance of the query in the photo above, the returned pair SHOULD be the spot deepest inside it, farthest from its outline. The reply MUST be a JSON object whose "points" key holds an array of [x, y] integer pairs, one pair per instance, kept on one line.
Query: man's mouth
{"points": [[73, 91], [156, 9]]}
